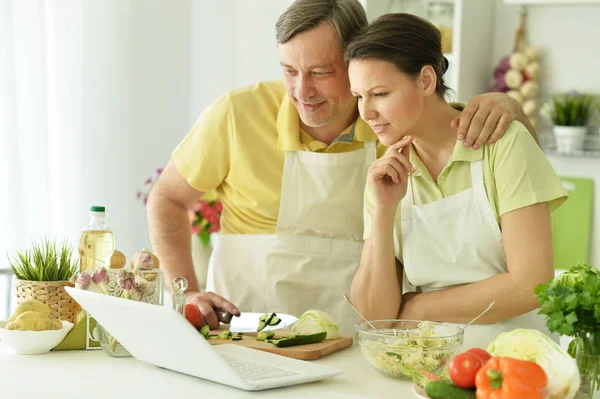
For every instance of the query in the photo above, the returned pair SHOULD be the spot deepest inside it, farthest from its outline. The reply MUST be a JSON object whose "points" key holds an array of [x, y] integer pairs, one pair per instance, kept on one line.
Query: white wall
{"points": [[568, 39], [233, 45]]}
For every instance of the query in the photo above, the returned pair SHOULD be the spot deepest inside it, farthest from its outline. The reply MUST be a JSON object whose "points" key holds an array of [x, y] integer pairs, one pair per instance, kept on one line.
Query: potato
{"points": [[10, 326], [31, 305], [32, 321], [56, 324]]}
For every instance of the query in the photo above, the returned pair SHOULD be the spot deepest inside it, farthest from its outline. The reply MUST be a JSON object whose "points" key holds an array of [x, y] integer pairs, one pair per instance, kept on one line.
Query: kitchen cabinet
{"points": [[587, 167], [468, 26]]}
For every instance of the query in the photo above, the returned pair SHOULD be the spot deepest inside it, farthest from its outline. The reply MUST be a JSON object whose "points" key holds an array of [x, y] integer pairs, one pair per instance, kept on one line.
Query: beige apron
{"points": [[457, 241], [311, 260]]}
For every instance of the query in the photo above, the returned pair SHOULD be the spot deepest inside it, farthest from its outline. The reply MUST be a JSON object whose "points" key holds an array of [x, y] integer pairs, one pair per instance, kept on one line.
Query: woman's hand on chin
{"points": [[388, 175]]}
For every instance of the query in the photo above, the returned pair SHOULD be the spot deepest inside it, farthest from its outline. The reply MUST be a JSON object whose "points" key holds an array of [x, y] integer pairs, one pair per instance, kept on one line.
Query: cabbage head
{"points": [[315, 321], [535, 346]]}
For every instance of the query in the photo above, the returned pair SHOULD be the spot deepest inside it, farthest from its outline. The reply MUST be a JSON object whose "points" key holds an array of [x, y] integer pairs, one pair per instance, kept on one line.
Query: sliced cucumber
{"points": [[236, 337], [267, 319], [261, 325], [205, 330], [299, 340], [264, 335], [224, 334]]}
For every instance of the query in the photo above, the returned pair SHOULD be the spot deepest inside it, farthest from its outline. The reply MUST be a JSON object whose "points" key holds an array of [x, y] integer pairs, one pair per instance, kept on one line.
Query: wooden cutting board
{"points": [[302, 352]]}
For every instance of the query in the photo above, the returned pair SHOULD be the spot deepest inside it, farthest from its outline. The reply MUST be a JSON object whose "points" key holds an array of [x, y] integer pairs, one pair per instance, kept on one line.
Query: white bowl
{"points": [[33, 342]]}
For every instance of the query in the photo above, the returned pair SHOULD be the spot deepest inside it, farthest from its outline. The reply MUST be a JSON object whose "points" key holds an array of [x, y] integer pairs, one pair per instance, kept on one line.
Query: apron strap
{"points": [[407, 203], [477, 180], [370, 153]]}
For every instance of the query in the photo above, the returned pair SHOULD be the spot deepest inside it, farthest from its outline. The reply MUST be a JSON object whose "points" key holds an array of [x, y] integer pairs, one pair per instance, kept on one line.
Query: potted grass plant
{"points": [[42, 272], [570, 113]]}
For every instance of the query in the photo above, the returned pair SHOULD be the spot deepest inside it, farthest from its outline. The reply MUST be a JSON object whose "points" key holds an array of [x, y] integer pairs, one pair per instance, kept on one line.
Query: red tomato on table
{"points": [[193, 315], [482, 354], [463, 368]]}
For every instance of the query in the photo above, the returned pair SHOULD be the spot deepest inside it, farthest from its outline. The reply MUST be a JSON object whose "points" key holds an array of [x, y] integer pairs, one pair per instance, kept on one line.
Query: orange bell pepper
{"points": [[508, 378]]}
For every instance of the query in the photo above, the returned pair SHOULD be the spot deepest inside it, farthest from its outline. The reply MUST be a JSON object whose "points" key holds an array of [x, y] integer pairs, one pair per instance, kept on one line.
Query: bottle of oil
{"points": [[97, 242]]}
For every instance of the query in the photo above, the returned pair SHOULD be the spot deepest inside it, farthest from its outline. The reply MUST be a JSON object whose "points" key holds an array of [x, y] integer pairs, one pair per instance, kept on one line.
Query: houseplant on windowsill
{"points": [[205, 223], [570, 113]]}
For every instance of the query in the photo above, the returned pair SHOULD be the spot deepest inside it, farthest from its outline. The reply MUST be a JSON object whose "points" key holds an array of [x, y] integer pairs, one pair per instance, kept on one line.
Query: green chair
{"points": [[572, 224]]}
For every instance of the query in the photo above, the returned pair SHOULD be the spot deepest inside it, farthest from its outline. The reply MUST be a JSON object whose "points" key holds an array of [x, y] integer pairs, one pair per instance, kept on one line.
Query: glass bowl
{"points": [[409, 349]]}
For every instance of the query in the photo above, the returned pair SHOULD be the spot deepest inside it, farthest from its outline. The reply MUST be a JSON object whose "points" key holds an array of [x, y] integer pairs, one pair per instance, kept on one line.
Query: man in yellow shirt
{"points": [[289, 162]]}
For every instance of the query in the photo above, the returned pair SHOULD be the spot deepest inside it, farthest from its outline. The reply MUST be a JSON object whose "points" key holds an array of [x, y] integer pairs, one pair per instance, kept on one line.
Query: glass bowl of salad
{"points": [[409, 349]]}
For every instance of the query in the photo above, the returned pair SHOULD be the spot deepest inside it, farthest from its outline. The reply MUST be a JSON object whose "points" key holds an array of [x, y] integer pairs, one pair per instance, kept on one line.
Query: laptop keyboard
{"points": [[254, 371]]}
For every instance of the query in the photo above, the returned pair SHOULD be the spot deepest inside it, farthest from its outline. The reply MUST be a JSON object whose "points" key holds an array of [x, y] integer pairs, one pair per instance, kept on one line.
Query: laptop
{"points": [[161, 336]]}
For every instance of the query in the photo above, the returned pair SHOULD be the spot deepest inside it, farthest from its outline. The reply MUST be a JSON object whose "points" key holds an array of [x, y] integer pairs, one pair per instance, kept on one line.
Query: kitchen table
{"points": [[92, 374]]}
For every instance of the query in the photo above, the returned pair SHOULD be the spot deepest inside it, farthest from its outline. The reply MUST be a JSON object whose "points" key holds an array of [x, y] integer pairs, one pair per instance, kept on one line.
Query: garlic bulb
{"points": [[142, 260], [530, 107], [530, 89], [532, 53], [513, 79], [518, 61], [533, 70]]}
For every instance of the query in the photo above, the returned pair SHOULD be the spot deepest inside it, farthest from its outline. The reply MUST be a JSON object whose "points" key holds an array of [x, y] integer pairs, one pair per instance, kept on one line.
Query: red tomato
{"points": [[482, 354], [193, 315], [463, 369]]}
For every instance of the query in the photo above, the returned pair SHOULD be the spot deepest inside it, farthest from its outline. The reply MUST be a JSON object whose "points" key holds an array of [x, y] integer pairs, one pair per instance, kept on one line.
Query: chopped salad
{"points": [[409, 353]]}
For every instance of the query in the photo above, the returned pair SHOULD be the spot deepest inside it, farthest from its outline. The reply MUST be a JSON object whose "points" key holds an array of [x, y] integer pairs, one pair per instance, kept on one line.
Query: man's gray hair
{"points": [[347, 17]]}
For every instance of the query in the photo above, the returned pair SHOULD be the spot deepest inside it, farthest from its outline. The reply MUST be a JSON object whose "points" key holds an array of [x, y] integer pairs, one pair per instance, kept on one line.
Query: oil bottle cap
{"points": [[97, 209]]}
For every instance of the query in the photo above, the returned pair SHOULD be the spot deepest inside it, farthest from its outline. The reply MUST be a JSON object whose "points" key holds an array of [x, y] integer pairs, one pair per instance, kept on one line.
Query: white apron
{"points": [[311, 260], [457, 241]]}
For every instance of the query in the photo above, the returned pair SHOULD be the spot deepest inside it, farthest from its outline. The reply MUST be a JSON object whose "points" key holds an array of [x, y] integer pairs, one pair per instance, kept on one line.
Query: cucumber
{"points": [[236, 336], [444, 389], [299, 340], [264, 335], [267, 319], [205, 330], [264, 321], [224, 334], [261, 325]]}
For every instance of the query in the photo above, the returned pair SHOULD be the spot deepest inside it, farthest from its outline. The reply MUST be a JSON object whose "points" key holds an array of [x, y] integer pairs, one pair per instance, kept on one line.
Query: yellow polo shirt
{"points": [[516, 174], [238, 146]]}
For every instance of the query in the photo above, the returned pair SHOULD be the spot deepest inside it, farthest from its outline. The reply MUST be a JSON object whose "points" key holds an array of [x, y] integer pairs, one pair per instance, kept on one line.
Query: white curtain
{"points": [[93, 95]]}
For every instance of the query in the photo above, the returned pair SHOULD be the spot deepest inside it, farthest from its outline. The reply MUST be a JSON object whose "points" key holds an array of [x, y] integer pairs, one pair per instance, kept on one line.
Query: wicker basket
{"points": [[52, 293]]}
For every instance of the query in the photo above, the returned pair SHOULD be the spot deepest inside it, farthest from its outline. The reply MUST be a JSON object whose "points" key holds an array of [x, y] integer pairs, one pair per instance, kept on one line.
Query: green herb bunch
{"points": [[571, 304], [45, 261]]}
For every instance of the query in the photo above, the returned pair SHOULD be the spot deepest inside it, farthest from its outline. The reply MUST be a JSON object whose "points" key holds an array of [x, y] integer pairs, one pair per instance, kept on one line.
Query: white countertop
{"points": [[93, 374]]}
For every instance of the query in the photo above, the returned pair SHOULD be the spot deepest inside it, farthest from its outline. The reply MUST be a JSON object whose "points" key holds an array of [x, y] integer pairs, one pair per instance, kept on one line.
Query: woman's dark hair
{"points": [[407, 41]]}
